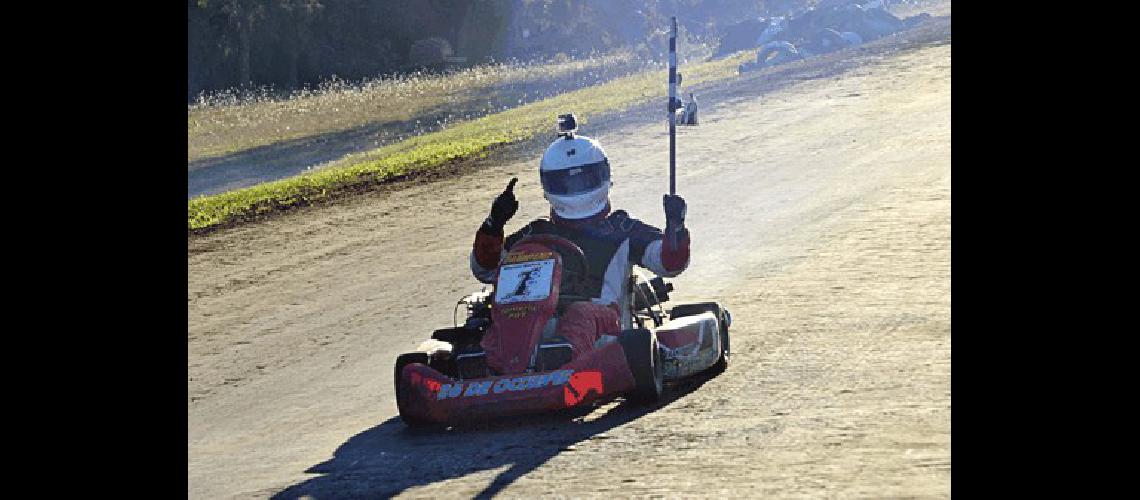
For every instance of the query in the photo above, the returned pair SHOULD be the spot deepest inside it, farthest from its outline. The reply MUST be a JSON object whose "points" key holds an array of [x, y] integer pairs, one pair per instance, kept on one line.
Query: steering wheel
{"points": [[574, 261]]}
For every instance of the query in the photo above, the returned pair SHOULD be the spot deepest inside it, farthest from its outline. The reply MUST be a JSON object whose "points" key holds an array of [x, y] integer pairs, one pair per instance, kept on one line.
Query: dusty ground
{"points": [[821, 217]]}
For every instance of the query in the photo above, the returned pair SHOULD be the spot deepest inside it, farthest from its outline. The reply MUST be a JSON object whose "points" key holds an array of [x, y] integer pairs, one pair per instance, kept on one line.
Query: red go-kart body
{"points": [[506, 359]]}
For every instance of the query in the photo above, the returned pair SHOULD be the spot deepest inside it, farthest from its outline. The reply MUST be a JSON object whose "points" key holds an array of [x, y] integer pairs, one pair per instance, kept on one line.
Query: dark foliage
{"points": [[288, 44]]}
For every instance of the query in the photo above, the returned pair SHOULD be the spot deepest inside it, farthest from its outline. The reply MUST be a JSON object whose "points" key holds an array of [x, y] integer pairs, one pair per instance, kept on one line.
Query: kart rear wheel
{"points": [[644, 360], [402, 361]]}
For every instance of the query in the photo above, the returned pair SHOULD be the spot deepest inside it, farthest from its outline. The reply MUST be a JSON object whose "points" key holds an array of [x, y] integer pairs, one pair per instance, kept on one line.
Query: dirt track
{"points": [[820, 215]]}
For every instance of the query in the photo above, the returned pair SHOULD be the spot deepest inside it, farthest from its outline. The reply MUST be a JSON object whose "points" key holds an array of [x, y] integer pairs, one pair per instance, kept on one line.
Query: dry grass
{"points": [[229, 122], [464, 140]]}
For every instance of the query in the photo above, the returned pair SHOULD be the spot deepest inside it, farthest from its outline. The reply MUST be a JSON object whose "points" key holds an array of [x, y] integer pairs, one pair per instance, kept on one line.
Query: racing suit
{"points": [[613, 243]]}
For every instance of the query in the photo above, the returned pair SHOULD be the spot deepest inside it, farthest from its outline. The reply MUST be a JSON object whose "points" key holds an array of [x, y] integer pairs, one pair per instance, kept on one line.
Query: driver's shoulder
{"points": [[621, 221], [541, 225]]}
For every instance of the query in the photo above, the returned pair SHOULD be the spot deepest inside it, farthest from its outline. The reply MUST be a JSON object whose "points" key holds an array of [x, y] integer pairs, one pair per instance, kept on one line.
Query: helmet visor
{"points": [[575, 180]]}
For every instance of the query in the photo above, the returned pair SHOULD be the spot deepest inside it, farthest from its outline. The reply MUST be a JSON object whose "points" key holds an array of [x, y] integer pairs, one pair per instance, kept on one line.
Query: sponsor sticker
{"points": [[517, 311], [523, 383], [524, 257], [581, 385]]}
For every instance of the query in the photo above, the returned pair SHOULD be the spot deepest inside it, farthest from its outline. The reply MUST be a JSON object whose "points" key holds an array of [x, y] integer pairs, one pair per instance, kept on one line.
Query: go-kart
{"points": [[449, 378]]}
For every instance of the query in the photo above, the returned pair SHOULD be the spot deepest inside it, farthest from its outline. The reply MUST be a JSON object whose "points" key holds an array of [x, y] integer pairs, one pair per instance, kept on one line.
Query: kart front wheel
{"points": [[402, 361], [644, 360], [725, 352]]}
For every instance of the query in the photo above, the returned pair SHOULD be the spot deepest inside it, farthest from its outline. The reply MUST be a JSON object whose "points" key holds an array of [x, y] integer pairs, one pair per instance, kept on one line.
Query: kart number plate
{"points": [[524, 281]]}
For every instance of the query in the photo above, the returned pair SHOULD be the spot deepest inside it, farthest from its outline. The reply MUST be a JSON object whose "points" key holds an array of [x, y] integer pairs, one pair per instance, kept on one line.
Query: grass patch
{"points": [[468, 139], [227, 122]]}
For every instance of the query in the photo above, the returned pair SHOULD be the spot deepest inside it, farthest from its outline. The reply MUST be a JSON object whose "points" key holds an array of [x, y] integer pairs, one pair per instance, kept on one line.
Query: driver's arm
{"points": [[485, 253], [488, 247], [651, 248], [664, 259]]}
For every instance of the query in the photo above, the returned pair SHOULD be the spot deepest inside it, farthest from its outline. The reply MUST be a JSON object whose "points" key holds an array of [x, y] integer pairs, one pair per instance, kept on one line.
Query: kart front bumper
{"points": [[428, 395]]}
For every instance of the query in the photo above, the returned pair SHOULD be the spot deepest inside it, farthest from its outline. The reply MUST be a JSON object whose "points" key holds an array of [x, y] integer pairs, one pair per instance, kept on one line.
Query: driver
{"points": [[576, 181]]}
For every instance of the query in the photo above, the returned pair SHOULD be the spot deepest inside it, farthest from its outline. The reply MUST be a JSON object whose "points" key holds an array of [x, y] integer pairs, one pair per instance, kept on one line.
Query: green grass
{"points": [[464, 140]]}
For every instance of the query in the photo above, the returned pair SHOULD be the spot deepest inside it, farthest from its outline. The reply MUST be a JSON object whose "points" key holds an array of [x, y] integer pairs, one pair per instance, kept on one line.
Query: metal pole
{"points": [[673, 107]]}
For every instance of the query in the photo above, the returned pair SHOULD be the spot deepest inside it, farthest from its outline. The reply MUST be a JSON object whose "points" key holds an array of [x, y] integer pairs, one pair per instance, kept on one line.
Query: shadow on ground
{"points": [[390, 458]]}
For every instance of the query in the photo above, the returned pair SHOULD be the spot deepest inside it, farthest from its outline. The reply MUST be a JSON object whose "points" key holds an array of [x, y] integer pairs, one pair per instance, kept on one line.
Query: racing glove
{"points": [[502, 209], [675, 209], [675, 251]]}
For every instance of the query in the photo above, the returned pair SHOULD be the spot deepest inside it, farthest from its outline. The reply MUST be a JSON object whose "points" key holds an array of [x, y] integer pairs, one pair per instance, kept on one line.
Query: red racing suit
{"points": [[612, 243]]}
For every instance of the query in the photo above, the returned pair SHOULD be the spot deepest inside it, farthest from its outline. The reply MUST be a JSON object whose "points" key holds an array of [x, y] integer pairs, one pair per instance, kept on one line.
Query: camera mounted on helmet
{"points": [[567, 125]]}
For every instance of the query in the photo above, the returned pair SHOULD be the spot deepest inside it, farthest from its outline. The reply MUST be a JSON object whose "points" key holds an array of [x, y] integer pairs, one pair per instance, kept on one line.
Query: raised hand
{"points": [[675, 209], [503, 208]]}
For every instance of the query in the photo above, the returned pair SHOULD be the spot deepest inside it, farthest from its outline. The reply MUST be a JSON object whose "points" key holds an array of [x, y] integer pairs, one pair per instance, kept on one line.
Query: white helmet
{"points": [[575, 176]]}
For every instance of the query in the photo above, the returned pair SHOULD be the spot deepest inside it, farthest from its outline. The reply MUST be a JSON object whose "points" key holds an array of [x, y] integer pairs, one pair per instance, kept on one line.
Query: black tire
{"points": [[644, 360], [722, 323], [682, 310], [725, 352], [402, 361]]}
